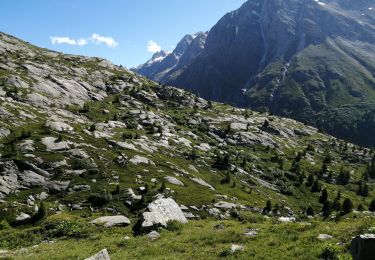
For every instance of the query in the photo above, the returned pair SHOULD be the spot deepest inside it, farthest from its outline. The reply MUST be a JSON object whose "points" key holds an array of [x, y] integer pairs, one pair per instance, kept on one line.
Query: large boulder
{"points": [[111, 221], [102, 255], [58, 126], [174, 180], [52, 144], [160, 212], [363, 247]]}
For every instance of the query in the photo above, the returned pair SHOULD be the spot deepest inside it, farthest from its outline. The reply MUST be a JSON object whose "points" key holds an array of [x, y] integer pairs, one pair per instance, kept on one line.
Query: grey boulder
{"points": [[102, 255], [161, 211], [111, 221]]}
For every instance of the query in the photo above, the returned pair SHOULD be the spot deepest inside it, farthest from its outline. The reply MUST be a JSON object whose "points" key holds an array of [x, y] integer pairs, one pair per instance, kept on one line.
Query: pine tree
{"points": [[267, 209], [347, 206], [362, 189], [316, 187], [344, 177], [327, 209], [324, 197], [163, 187], [310, 180], [310, 211]]}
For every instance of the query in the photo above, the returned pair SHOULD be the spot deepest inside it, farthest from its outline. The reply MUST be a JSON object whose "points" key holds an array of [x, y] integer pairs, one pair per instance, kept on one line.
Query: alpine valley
{"points": [[98, 162]]}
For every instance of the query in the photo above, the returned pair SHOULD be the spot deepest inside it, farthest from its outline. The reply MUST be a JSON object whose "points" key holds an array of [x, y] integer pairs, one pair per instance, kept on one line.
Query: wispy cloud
{"points": [[153, 46], [109, 41], [95, 38], [62, 40], [82, 41]]}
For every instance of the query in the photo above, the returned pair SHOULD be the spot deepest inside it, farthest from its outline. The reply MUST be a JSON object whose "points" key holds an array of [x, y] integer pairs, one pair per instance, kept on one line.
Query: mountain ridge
{"points": [[267, 55]]}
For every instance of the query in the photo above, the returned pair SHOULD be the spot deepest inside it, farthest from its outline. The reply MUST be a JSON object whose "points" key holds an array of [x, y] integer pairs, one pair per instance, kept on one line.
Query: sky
{"points": [[126, 32]]}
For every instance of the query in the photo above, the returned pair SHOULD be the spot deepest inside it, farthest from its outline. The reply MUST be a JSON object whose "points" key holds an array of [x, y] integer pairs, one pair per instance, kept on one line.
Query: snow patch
{"points": [[320, 3]]}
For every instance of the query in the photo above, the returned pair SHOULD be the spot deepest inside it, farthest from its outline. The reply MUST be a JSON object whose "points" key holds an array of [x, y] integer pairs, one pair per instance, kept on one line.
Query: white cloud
{"points": [[62, 40], [109, 41], [95, 38], [82, 41], [153, 47]]}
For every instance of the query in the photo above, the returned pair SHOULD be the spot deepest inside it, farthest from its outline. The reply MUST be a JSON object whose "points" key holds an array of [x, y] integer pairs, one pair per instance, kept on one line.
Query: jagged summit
{"points": [[171, 65]]}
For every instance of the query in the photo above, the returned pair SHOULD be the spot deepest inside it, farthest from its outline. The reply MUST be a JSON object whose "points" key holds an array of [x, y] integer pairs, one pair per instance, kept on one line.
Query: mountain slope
{"points": [[308, 60], [125, 146]]}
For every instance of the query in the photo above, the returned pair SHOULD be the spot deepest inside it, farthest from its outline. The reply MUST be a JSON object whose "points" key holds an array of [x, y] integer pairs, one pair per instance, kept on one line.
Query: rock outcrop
{"points": [[111, 221], [102, 255], [160, 211]]}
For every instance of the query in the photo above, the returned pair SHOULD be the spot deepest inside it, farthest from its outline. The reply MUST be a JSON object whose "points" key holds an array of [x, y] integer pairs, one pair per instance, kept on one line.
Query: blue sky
{"points": [[119, 30]]}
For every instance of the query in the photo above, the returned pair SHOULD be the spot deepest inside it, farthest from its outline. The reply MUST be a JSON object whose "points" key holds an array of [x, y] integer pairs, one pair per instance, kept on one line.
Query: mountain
{"points": [[164, 67], [94, 156], [310, 60]]}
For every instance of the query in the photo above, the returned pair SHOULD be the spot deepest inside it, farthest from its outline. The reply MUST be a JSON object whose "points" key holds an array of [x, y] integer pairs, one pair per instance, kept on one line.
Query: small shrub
{"points": [[174, 226], [4, 225], [71, 229], [225, 253], [123, 243], [330, 252]]}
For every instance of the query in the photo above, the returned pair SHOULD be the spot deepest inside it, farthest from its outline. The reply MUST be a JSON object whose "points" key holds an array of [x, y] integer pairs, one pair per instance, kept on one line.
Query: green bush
{"points": [[225, 253], [4, 225], [330, 252], [174, 226], [71, 229]]}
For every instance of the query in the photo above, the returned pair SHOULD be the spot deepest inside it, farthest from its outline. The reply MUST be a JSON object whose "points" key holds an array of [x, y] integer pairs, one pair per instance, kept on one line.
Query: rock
{"points": [[236, 248], [287, 219], [8, 178], [133, 196], [214, 211], [324, 237], [4, 132], [204, 147], [59, 126], [22, 216], [251, 232], [58, 186], [111, 221], [79, 153], [225, 205], [363, 247], [42, 196], [153, 235], [202, 182], [81, 187], [174, 180], [52, 145], [102, 255], [32, 179], [27, 146], [161, 211], [139, 159]]}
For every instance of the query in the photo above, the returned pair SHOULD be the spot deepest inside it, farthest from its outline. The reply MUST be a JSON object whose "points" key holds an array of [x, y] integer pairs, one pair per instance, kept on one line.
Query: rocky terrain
{"points": [[309, 60], [94, 155]]}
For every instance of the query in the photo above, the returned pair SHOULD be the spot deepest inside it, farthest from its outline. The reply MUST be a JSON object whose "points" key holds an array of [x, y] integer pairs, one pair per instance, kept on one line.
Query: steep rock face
{"points": [[165, 66], [303, 59]]}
